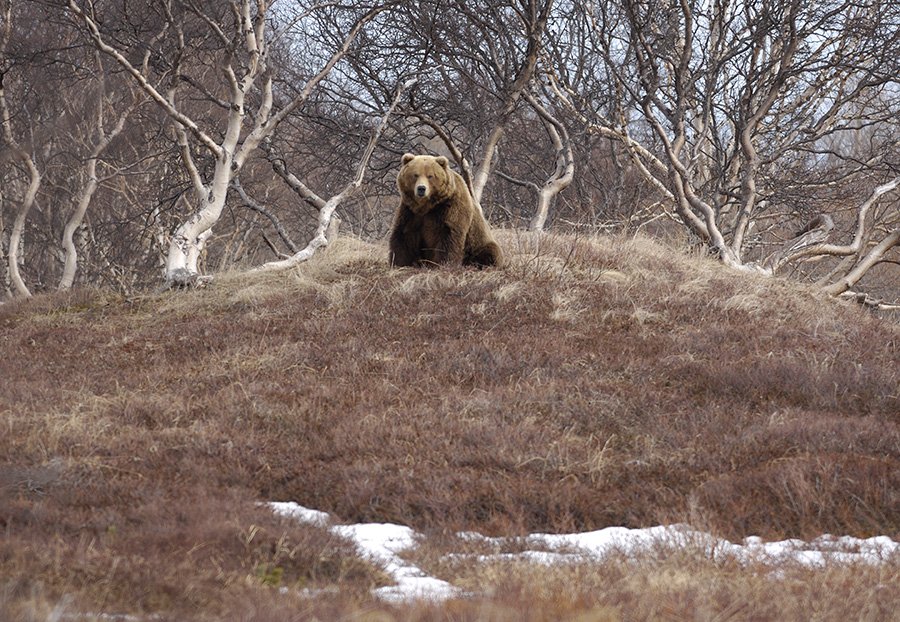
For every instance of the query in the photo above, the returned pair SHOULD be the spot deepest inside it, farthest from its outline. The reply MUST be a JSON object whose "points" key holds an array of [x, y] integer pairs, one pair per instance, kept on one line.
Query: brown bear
{"points": [[437, 221]]}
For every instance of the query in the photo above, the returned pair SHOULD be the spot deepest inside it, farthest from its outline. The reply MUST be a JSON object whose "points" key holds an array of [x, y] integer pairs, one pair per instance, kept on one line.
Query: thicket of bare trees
{"points": [[741, 114], [152, 142]]}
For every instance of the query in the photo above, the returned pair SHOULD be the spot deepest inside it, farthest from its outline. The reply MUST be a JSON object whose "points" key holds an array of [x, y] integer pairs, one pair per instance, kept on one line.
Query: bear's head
{"points": [[424, 180]]}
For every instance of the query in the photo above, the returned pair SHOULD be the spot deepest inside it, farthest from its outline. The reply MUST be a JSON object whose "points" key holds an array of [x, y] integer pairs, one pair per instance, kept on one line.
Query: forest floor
{"points": [[591, 382]]}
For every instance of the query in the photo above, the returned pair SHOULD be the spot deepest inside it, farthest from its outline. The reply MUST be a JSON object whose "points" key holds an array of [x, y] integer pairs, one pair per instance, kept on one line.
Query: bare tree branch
{"points": [[257, 207], [321, 239]]}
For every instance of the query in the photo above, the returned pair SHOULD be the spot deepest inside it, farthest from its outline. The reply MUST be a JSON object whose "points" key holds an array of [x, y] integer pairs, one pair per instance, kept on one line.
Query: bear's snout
{"points": [[421, 190]]}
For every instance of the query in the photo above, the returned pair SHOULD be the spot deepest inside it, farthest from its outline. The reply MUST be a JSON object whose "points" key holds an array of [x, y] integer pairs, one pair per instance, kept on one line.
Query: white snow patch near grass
{"points": [[383, 543], [594, 545]]}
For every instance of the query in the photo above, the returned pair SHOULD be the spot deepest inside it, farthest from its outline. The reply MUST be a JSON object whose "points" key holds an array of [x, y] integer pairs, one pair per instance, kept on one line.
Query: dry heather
{"points": [[591, 382]]}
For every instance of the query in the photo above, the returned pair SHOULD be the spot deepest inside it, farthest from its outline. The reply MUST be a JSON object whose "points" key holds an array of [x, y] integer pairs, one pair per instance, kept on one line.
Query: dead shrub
{"points": [[805, 495]]}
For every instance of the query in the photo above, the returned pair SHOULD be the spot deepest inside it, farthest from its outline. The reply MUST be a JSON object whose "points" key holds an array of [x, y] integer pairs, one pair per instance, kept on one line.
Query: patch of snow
{"points": [[383, 542], [300, 513], [823, 550]]}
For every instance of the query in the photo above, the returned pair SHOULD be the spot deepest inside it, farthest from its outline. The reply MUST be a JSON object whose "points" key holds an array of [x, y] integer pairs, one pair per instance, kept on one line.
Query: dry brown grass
{"points": [[686, 588], [591, 382]]}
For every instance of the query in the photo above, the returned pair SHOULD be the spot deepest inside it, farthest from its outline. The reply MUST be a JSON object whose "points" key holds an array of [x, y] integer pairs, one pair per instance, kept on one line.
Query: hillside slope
{"points": [[591, 382]]}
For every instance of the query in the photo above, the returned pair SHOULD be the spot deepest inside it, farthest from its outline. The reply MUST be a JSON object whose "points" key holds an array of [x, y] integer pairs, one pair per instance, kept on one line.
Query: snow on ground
{"points": [[383, 542]]}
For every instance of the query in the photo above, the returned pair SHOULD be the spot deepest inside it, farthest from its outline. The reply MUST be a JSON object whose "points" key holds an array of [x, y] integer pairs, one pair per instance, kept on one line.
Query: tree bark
{"points": [[871, 258], [564, 171], [855, 246], [16, 240], [260, 209]]}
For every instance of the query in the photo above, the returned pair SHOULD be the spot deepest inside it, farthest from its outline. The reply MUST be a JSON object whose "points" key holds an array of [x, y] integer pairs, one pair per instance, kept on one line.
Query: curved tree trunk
{"points": [[871, 258], [15, 236], [70, 265], [859, 257], [71, 252], [34, 176], [191, 236], [536, 24], [564, 172], [480, 179]]}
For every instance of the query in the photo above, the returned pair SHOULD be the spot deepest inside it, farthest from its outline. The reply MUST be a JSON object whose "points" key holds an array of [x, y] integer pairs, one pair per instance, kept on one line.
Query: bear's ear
{"points": [[441, 160], [407, 158]]}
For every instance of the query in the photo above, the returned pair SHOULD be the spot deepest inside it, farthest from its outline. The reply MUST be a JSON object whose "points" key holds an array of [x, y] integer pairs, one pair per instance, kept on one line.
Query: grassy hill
{"points": [[591, 382]]}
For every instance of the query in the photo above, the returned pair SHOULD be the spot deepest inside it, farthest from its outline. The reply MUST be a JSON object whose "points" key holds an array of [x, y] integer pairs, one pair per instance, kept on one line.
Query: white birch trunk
{"points": [[4, 245], [856, 244], [480, 179], [546, 195], [564, 172], [535, 25], [325, 234], [70, 263], [16, 239], [191, 236]]}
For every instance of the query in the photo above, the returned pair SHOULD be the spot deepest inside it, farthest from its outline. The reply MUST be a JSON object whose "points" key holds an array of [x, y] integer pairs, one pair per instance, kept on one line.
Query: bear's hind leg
{"points": [[488, 255]]}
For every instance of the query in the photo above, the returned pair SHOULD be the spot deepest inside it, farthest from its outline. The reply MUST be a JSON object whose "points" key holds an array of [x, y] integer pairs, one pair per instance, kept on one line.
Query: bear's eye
{"points": [[431, 176]]}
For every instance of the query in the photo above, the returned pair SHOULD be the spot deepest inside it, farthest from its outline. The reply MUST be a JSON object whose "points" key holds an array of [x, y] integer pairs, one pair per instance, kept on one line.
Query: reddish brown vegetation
{"points": [[589, 383]]}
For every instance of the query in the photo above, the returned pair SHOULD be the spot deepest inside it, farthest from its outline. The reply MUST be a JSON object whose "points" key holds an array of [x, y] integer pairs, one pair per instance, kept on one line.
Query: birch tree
{"points": [[869, 245], [563, 170], [15, 151], [475, 61], [244, 96], [533, 18], [100, 134]]}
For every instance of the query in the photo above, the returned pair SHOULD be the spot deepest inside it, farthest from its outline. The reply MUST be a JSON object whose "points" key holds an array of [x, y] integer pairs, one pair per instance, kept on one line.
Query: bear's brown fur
{"points": [[437, 221]]}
